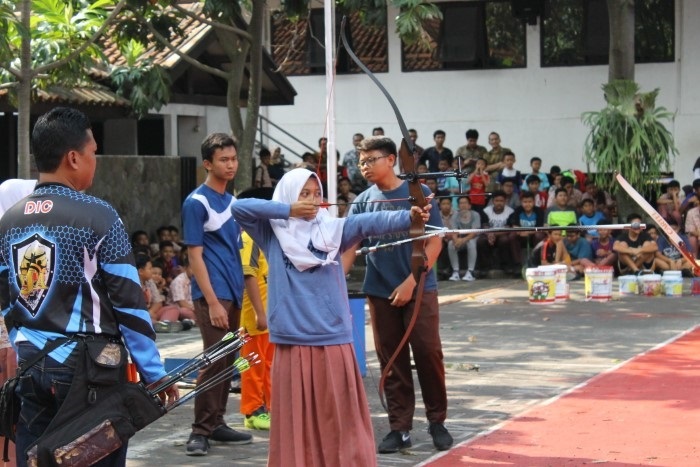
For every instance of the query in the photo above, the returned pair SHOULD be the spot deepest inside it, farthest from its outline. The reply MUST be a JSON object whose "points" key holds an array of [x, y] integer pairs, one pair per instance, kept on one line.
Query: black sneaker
{"points": [[197, 445], [442, 440], [394, 441], [226, 434]]}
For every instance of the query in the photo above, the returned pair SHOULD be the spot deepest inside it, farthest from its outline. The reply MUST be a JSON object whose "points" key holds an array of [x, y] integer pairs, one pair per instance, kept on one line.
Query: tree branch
{"points": [[239, 32], [9, 85], [192, 61], [12, 70], [84, 45]]}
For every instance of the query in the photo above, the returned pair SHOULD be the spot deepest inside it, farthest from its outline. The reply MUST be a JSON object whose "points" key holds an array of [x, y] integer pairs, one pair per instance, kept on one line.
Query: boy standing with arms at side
{"points": [[213, 240], [390, 288]]}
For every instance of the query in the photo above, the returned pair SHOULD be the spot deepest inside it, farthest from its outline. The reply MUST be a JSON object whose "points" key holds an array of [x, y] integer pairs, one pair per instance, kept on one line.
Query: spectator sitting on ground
{"points": [[140, 239], [672, 259], [635, 248], [692, 219], [535, 165], [447, 184], [512, 198], [669, 203], [533, 186], [580, 252], [602, 246], [574, 196], [345, 189], [551, 251], [604, 202], [171, 264], [164, 319], [464, 218], [175, 238], [552, 175], [692, 199], [478, 180], [494, 250], [162, 234], [560, 213], [180, 290], [589, 216], [508, 172], [526, 215]]}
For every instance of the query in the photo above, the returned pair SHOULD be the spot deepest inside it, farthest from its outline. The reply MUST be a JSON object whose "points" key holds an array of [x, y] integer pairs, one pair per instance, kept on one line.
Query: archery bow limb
{"points": [[419, 266], [671, 234]]}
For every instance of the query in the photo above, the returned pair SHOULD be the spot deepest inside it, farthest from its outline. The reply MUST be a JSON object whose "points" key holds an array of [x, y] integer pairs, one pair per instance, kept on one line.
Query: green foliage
{"points": [[145, 84], [409, 23], [628, 135]]}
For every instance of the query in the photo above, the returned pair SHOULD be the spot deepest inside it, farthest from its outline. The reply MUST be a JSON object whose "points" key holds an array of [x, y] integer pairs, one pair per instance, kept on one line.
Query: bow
{"points": [[419, 267]]}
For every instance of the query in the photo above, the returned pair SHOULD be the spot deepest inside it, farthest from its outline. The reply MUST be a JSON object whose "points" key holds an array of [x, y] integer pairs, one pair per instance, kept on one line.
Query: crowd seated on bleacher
{"points": [[496, 195]]}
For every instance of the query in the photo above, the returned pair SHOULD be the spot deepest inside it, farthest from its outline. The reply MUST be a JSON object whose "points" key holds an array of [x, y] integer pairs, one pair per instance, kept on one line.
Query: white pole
{"points": [[331, 159]]}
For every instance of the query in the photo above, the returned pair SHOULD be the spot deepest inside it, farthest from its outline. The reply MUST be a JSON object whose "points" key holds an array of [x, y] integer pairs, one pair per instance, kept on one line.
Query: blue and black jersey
{"points": [[71, 270]]}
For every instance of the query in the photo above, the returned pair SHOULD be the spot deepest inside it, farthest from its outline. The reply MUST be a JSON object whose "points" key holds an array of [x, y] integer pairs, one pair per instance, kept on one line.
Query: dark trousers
{"points": [[389, 325], [43, 388], [500, 255], [210, 405]]}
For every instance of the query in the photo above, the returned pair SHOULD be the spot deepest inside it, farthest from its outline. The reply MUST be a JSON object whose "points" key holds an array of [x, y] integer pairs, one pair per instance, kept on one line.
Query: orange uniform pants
{"points": [[255, 383]]}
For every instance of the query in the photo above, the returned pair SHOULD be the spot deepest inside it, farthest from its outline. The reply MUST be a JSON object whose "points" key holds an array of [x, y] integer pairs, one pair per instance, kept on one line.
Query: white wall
{"points": [[536, 110]]}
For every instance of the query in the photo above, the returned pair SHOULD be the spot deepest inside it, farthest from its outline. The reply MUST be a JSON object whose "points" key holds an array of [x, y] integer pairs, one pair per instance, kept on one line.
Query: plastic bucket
{"points": [[598, 283], [672, 283], [561, 290], [695, 286], [650, 285], [541, 285], [628, 285]]}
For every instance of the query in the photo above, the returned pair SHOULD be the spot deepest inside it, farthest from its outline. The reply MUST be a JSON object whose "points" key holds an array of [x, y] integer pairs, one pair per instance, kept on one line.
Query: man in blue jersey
{"points": [[72, 277], [213, 243]]}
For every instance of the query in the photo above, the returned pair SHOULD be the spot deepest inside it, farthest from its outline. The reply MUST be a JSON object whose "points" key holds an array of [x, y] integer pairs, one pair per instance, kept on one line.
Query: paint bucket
{"points": [[541, 285], [561, 290], [695, 286], [598, 283], [650, 285], [672, 283], [628, 285]]}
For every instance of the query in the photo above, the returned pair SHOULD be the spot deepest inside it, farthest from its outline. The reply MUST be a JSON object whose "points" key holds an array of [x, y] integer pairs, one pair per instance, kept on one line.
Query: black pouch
{"points": [[105, 362], [9, 408]]}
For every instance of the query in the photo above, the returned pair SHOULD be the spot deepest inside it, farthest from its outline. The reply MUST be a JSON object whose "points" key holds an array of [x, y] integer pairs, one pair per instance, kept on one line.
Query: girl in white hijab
{"points": [[319, 410]]}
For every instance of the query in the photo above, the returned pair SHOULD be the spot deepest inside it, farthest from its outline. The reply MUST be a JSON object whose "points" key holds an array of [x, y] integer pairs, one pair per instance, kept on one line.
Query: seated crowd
{"points": [[496, 195], [164, 272]]}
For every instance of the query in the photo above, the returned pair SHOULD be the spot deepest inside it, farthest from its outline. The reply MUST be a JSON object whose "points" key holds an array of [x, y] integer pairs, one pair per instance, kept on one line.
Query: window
{"points": [[471, 35], [298, 47], [577, 32]]}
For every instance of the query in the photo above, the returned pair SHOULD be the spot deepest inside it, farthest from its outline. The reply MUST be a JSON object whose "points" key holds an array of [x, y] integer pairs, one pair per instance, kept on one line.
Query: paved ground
{"points": [[503, 356]]}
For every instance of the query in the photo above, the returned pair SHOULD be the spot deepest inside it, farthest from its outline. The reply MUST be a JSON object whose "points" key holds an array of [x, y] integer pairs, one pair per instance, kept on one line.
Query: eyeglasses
{"points": [[369, 162]]}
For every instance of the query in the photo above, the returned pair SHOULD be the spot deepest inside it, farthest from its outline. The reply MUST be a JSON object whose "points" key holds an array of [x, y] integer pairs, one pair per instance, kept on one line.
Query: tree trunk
{"points": [[24, 95], [255, 28], [621, 16]]}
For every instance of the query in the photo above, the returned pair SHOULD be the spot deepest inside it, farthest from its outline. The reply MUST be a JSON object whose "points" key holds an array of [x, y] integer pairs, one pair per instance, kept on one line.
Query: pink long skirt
{"points": [[320, 415]]}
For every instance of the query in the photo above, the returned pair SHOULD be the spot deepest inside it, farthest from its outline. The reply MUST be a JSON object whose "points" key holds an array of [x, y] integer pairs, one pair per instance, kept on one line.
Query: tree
{"points": [[621, 19], [47, 42], [243, 44], [628, 135]]}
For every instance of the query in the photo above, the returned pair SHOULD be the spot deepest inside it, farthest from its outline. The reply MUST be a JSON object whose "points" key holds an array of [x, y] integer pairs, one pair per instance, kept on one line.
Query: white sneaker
{"points": [[468, 277], [454, 276]]}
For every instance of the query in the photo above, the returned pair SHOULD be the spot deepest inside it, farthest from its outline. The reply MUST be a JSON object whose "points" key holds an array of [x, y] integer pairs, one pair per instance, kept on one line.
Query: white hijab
{"points": [[13, 190], [324, 232]]}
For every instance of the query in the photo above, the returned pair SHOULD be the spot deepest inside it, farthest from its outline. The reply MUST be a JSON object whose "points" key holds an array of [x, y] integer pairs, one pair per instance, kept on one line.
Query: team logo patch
{"points": [[34, 261]]}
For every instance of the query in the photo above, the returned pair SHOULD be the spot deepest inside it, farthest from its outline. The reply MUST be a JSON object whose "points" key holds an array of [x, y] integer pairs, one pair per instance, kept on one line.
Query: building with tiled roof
{"points": [[197, 102]]}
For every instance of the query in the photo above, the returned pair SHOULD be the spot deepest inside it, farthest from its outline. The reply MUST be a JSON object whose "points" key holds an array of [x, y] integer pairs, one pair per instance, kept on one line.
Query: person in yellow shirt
{"points": [[255, 383]]}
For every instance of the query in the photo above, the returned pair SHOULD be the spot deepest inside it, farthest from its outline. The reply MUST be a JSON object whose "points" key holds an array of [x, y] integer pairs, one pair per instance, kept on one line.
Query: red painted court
{"points": [[643, 412]]}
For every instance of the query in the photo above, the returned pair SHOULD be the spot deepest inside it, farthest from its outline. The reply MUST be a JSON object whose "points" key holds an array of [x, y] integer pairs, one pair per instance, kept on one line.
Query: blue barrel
{"points": [[357, 309]]}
